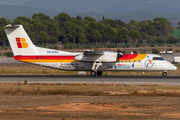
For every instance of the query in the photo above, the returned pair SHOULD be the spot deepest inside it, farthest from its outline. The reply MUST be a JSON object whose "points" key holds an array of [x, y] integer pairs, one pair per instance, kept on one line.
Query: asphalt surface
{"points": [[168, 80]]}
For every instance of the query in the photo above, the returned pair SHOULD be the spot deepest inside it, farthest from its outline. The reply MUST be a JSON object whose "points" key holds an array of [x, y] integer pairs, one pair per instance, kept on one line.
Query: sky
{"points": [[13, 2]]}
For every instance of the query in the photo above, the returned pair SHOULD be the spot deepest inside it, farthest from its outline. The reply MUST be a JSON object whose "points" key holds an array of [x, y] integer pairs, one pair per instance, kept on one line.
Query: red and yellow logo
{"points": [[21, 43]]}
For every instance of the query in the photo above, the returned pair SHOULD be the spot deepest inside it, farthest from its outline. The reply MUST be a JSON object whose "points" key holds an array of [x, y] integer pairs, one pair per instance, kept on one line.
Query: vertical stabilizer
{"points": [[20, 42]]}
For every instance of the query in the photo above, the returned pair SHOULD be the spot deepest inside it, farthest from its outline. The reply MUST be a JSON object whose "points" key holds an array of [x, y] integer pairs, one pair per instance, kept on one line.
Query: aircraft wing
{"points": [[97, 56], [93, 53]]}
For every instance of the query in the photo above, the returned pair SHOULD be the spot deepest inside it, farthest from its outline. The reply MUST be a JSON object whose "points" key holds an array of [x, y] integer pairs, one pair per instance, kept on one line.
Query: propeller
{"points": [[119, 55]]}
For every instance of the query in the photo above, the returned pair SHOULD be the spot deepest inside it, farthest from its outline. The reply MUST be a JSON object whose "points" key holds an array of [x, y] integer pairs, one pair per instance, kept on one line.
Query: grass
{"points": [[89, 89]]}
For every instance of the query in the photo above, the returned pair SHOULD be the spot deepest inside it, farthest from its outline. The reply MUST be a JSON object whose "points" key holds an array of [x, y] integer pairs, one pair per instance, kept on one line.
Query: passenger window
{"points": [[122, 61], [139, 60], [134, 60], [125, 60], [129, 60]]}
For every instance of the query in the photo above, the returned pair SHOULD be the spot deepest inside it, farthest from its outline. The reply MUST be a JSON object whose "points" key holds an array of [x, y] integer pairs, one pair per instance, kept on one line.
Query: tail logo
{"points": [[21, 43]]}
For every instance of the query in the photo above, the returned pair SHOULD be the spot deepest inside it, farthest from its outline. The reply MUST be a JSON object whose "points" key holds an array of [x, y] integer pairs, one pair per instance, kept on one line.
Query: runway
{"points": [[168, 80]]}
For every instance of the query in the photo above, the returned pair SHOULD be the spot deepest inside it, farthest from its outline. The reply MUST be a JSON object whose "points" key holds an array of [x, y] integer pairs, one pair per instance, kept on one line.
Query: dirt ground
{"points": [[60, 107], [77, 102]]}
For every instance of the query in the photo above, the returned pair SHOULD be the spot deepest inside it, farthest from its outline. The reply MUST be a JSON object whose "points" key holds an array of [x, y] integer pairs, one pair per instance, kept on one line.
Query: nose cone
{"points": [[172, 67]]}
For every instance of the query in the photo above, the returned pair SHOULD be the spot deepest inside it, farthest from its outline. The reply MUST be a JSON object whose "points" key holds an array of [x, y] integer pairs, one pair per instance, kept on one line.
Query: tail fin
{"points": [[20, 42]]}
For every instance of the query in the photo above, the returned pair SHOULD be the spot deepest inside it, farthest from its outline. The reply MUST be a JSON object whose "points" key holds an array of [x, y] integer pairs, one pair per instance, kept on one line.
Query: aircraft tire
{"points": [[99, 73], [93, 73], [164, 74]]}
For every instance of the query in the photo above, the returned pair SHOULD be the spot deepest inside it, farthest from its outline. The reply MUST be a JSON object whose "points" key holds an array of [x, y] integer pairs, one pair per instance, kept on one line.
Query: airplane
{"points": [[89, 60]]}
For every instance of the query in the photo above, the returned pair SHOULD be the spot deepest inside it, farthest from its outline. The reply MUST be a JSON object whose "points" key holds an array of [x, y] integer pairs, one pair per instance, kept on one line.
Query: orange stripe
{"points": [[51, 61]]}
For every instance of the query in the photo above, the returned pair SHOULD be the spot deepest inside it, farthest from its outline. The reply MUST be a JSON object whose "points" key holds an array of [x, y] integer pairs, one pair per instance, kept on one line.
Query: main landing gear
{"points": [[95, 68], [164, 74], [93, 73]]}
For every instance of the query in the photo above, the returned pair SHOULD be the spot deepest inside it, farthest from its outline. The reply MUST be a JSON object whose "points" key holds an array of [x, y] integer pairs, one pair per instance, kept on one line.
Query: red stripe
{"points": [[44, 57], [124, 57], [128, 56], [18, 40]]}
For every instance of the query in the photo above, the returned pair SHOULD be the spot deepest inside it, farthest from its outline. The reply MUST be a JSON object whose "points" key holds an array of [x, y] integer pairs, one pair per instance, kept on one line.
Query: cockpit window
{"points": [[158, 58]]}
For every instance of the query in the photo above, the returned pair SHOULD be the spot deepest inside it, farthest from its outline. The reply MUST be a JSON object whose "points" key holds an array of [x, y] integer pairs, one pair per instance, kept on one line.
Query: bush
{"points": [[69, 46], [25, 82], [135, 52], [111, 45], [138, 45], [154, 51], [87, 46], [118, 50], [177, 50], [152, 45], [9, 54]]}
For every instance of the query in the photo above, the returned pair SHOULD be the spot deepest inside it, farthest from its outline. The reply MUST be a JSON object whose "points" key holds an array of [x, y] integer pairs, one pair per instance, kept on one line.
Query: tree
{"points": [[179, 25], [52, 40], [3, 37], [89, 27], [97, 36], [107, 32], [90, 19], [82, 38], [172, 40], [123, 35], [115, 34], [32, 36], [146, 29], [133, 22], [4, 22], [79, 18], [163, 26], [41, 16], [39, 26], [110, 22], [43, 37], [26, 22], [134, 35], [161, 40], [122, 24], [62, 17], [103, 17], [72, 31]]}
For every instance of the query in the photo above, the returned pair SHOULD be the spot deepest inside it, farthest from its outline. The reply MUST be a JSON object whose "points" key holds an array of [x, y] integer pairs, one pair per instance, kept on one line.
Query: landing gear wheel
{"points": [[93, 73], [99, 73], [164, 73]]}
